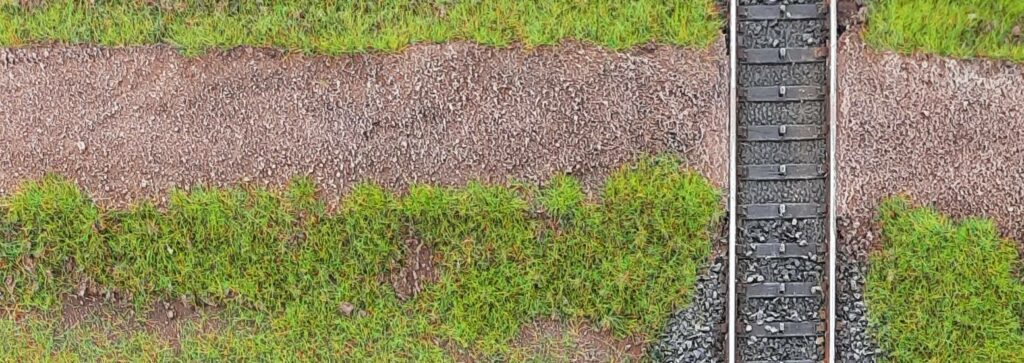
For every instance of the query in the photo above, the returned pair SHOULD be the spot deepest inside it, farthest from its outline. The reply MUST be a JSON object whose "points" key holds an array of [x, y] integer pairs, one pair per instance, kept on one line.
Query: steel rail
{"points": [[731, 350], [833, 44]]}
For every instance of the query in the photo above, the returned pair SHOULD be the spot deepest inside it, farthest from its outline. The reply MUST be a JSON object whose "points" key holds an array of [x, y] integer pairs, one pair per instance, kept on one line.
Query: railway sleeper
{"points": [[785, 329], [781, 172], [782, 12], [783, 55], [781, 93], [770, 251], [779, 289], [780, 133], [777, 2], [781, 211]]}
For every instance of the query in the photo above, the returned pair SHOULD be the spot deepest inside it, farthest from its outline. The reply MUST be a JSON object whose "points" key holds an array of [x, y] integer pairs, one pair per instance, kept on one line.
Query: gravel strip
{"points": [[133, 122], [945, 132]]}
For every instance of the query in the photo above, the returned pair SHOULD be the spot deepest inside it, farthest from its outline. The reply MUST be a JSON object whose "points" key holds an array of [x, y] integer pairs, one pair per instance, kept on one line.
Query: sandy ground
{"points": [[946, 132], [131, 123]]}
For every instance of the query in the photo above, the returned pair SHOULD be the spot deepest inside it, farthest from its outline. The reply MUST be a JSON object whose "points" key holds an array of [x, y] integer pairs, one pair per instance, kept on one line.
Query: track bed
{"points": [[782, 80]]}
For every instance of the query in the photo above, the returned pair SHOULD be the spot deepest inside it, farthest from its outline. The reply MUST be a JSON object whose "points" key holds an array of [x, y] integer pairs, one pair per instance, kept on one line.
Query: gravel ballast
{"points": [[948, 133], [131, 123], [693, 333]]}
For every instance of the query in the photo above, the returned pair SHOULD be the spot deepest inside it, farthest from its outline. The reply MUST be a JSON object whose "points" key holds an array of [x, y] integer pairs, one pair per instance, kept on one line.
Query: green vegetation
{"points": [[958, 28], [281, 265], [35, 339], [334, 27], [944, 292]]}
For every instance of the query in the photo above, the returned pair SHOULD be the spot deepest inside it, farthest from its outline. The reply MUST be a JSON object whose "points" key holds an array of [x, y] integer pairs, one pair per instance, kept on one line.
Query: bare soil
{"points": [[851, 14], [949, 133], [416, 271], [116, 318], [131, 123]]}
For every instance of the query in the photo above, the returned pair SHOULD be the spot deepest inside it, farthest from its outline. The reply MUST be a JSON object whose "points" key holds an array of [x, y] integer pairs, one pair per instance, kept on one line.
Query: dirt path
{"points": [[946, 132], [130, 123]]}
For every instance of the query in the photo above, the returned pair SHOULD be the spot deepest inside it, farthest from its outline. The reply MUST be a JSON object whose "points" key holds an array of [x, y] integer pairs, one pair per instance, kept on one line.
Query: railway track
{"points": [[781, 225]]}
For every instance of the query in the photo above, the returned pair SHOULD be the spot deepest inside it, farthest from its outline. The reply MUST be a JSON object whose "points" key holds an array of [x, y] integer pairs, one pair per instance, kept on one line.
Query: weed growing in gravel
{"points": [[962, 28], [297, 281], [944, 292], [334, 27]]}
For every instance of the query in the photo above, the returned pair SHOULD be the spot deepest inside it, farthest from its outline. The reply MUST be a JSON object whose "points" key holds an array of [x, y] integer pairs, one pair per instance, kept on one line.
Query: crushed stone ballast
{"points": [[781, 181]]}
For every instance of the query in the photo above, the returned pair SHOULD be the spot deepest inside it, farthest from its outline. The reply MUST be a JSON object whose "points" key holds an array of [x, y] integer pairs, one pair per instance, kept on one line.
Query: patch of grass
{"points": [[646, 236], [47, 222], [282, 266], [39, 339], [335, 27], [941, 291], [960, 28], [487, 242]]}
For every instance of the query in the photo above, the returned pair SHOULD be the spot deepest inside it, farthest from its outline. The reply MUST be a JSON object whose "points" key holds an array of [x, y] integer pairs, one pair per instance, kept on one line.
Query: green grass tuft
{"points": [[281, 266], [335, 27], [625, 262], [961, 28], [944, 292], [48, 221]]}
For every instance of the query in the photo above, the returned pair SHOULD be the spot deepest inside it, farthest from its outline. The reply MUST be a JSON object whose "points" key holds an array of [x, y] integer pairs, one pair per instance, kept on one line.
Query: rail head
{"points": [[833, 45], [730, 349]]}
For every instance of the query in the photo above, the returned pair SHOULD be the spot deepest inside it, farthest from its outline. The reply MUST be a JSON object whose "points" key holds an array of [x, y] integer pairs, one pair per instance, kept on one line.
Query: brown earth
{"points": [[117, 320], [851, 13], [949, 133], [417, 270], [134, 122]]}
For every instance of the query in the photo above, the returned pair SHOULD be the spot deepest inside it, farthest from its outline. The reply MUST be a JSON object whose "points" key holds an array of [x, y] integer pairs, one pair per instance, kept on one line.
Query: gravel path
{"points": [[131, 123], [946, 132]]}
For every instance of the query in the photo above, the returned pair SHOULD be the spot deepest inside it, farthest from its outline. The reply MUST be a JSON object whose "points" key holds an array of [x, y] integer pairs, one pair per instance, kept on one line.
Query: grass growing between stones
{"points": [[294, 280], [941, 291], [961, 28], [334, 27]]}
